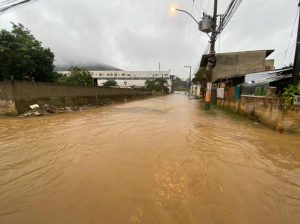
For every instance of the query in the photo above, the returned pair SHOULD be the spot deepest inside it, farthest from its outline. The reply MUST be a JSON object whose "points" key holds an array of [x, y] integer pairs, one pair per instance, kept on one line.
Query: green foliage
{"points": [[178, 84], [22, 56], [158, 85], [109, 83], [77, 76], [289, 94], [60, 78], [258, 91]]}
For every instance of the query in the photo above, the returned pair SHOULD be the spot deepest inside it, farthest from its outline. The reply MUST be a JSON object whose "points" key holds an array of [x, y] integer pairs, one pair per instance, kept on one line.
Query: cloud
{"points": [[138, 34]]}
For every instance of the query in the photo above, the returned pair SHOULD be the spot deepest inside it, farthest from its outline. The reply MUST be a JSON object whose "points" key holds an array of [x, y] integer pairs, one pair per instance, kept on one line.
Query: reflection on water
{"points": [[159, 160]]}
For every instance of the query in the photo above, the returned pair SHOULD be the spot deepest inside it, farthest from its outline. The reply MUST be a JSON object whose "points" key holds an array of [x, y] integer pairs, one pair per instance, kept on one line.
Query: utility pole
{"points": [[159, 69], [212, 57], [190, 76], [296, 70]]}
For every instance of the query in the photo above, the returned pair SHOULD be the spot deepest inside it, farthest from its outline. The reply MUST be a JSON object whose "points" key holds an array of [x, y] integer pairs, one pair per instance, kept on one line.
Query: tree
{"points": [[158, 85], [22, 56], [77, 76], [178, 84], [109, 83], [60, 78]]}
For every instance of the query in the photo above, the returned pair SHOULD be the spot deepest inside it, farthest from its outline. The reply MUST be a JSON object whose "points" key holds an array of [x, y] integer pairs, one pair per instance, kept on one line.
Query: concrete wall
{"points": [[267, 110], [239, 63], [15, 97], [269, 65], [7, 103]]}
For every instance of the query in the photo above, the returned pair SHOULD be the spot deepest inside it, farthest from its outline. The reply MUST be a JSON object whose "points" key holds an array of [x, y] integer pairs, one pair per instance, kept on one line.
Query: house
{"points": [[233, 66]]}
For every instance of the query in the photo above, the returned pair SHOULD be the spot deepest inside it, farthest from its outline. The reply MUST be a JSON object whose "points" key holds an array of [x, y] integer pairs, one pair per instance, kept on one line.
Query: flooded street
{"points": [[159, 160]]}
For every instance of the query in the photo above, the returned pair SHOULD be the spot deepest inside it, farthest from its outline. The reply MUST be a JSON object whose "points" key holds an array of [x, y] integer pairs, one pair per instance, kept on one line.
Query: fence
{"points": [[15, 97]]}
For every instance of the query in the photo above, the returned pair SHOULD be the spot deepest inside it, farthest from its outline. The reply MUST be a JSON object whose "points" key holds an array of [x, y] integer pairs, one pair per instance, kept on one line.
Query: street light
{"points": [[207, 25], [174, 9]]}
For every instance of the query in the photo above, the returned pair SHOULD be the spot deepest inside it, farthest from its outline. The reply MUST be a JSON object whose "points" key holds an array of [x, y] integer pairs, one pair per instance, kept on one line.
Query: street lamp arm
{"points": [[180, 10]]}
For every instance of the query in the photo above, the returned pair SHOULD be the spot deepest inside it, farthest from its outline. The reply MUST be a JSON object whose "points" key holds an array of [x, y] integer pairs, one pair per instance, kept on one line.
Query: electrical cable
{"points": [[250, 11], [292, 33], [233, 6], [293, 51], [246, 15], [208, 5], [9, 4], [196, 6]]}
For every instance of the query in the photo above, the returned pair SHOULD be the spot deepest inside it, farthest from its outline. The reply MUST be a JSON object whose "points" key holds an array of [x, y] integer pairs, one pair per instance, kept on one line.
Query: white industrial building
{"points": [[127, 79], [130, 78]]}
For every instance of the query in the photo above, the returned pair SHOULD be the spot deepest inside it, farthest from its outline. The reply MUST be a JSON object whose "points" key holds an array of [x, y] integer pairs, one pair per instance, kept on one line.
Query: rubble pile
{"points": [[36, 110]]}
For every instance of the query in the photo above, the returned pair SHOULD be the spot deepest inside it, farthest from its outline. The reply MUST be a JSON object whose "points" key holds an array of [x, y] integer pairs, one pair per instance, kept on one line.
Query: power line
{"points": [[201, 6], [292, 53], [9, 4], [291, 36], [250, 11], [196, 6], [208, 5], [233, 6], [246, 15]]}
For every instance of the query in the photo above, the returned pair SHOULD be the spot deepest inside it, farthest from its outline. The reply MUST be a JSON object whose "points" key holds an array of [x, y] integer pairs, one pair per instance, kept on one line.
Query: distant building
{"points": [[127, 79], [135, 79]]}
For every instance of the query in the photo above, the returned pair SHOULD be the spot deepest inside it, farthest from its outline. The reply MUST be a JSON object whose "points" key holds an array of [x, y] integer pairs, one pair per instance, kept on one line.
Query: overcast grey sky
{"points": [[138, 34]]}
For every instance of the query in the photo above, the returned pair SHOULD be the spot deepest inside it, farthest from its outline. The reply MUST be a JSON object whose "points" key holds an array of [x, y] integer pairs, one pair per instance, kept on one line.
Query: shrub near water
{"points": [[288, 95]]}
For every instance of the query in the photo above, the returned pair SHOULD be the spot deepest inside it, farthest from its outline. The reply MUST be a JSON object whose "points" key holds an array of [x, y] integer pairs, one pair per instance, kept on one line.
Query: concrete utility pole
{"points": [[190, 76], [212, 57], [159, 69], [296, 70]]}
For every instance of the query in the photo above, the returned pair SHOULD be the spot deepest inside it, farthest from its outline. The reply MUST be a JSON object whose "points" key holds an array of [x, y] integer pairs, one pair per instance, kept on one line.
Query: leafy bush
{"points": [[289, 94], [158, 85], [77, 76], [109, 83], [258, 91]]}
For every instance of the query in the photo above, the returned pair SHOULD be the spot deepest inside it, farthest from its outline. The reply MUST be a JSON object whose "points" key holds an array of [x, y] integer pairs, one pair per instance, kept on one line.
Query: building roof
{"points": [[269, 76]]}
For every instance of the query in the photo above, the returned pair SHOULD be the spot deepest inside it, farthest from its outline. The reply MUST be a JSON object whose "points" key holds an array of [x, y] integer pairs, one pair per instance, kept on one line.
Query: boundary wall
{"points": [[17, 96]]}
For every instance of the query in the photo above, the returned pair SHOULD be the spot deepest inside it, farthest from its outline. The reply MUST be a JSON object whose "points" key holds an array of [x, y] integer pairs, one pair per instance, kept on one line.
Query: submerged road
{"points": [[160, 160]]}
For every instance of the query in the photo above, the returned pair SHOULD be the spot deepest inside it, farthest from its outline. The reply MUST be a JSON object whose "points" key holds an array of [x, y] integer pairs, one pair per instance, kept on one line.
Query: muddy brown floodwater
{"points": [[160, 160]]}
